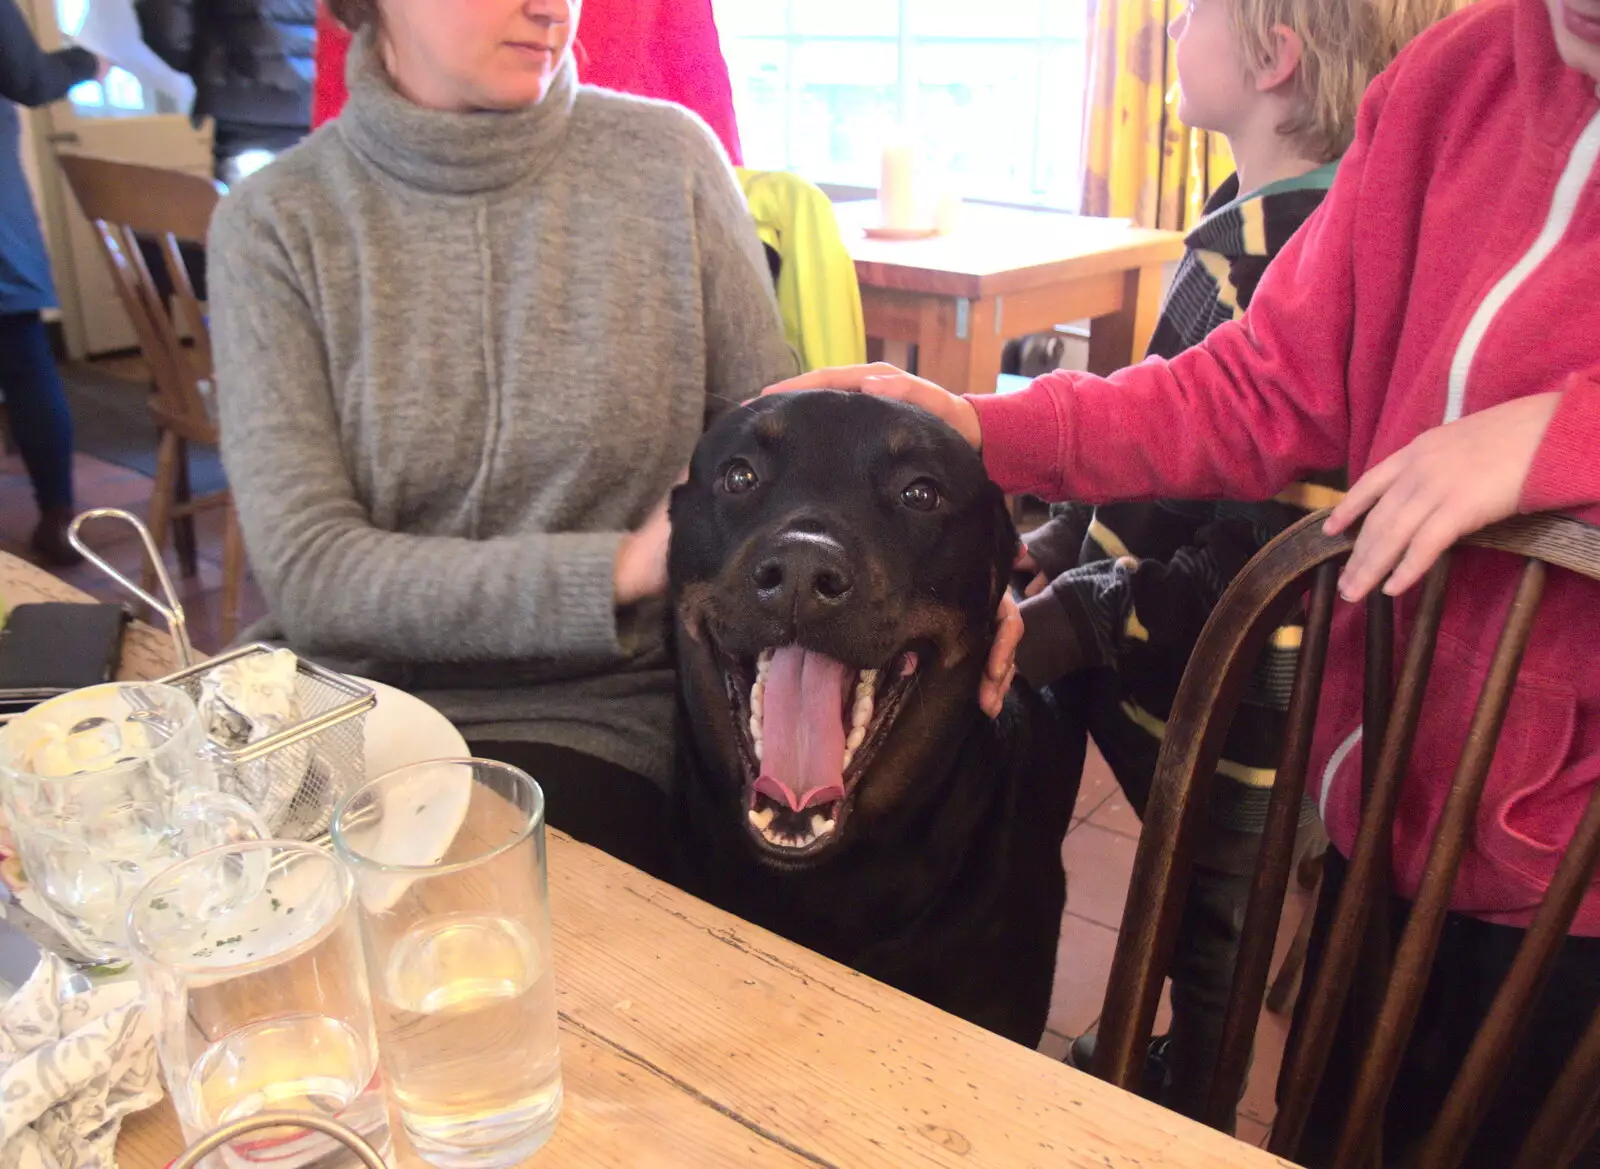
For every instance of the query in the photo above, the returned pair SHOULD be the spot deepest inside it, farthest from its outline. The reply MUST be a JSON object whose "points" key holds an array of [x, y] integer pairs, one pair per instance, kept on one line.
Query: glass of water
{"points": [[449, 859], [104, 788], [250, 956]]}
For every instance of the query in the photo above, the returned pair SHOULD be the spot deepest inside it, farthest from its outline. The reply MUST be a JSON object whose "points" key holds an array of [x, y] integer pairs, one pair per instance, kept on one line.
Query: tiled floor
{"points": [[1098, 851]]}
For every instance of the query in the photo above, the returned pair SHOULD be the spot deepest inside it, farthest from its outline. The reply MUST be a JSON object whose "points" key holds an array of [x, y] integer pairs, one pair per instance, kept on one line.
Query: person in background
{"points": [[1123, 590], [35, 403], [467, 336], [251, 62], [666, 49], [1435, 329]]}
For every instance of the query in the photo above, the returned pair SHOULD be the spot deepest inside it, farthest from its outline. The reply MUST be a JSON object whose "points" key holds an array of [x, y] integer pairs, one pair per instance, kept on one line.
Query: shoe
{"points": [[50, 538], [1081, 1056]]}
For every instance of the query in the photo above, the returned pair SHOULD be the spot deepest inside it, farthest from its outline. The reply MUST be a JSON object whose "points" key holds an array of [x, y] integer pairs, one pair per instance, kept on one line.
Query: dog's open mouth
{"points": [[808, 728]]}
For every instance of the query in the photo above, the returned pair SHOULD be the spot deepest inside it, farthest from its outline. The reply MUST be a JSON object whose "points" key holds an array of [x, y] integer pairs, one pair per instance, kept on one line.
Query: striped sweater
{"points": [[1134, 583]]}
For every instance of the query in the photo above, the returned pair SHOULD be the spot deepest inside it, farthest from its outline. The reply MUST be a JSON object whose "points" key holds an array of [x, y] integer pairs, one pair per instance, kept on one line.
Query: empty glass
{"points": [[449, 860], [104, 788], [250, 957]]}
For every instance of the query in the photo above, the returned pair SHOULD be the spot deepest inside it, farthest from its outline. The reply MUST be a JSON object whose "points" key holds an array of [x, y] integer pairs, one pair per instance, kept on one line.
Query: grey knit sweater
{"points": [[458, 356]]}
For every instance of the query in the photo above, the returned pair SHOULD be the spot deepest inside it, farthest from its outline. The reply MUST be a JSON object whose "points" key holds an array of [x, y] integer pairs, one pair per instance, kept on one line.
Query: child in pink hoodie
{"points": [[1435, 328]]}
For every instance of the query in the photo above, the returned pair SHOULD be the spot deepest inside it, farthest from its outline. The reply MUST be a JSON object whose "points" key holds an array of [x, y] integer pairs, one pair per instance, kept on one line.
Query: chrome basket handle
{"points": [[171, 610], [231, 1132]]}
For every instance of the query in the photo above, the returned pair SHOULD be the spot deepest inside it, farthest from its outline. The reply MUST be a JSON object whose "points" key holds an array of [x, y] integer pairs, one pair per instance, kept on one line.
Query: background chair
{"points": [[125, 203]]}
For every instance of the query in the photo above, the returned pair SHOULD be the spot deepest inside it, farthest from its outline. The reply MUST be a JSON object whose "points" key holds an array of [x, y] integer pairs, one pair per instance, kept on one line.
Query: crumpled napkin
{"points": [[71, 1067]]}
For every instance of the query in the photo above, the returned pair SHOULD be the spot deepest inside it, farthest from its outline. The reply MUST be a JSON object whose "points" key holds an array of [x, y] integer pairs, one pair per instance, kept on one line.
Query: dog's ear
{"points": [[1006, 539]]}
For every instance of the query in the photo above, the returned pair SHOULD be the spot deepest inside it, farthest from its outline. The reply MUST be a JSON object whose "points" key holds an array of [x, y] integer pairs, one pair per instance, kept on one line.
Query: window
{"points": [[992, 93]]}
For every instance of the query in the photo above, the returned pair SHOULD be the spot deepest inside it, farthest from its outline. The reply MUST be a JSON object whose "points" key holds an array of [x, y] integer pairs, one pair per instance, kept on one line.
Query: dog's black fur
{"points": [[862, 528]]}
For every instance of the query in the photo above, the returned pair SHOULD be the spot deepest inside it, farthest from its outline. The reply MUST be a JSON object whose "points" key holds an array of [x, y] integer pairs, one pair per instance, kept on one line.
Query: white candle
{"points": [[897, 197]]}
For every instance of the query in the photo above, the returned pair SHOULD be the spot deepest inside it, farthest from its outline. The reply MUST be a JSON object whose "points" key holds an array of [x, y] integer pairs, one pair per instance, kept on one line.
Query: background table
{"points": [[1006, 272]]}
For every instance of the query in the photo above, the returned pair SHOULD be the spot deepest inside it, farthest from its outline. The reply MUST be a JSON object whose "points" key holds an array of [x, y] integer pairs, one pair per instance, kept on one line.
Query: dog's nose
{"points": [[804, 573]]}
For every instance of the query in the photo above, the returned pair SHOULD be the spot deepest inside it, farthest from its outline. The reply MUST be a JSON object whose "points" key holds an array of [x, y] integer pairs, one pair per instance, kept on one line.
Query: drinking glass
{"points": [[449, 861], [250, 957], [104, 788]]}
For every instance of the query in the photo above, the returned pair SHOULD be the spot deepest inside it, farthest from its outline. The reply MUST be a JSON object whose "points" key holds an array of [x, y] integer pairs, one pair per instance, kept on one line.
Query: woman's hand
{"points": [[641, 568], [886, 381], [1446, 484]]}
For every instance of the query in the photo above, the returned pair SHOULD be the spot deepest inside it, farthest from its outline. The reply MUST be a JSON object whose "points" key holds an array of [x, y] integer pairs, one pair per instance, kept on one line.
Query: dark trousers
{"points": [[1474, 958], [603, 805], [36, 404]]}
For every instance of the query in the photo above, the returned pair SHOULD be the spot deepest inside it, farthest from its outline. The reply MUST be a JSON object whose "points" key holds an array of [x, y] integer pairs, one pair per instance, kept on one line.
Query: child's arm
{"points": [[1525, 455]]}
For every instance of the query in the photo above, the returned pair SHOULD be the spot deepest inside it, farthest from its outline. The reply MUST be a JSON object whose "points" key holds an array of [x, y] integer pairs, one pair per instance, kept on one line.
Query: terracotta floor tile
{"points": [[1083, 966], [1253, 1132], [1098, 783], [1099, 864], [1055, 1046], [1117, 815]]}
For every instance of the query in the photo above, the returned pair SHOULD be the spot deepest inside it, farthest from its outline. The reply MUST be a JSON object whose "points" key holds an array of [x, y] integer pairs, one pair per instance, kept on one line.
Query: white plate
{"points": [[422, 814], [402, 730]]}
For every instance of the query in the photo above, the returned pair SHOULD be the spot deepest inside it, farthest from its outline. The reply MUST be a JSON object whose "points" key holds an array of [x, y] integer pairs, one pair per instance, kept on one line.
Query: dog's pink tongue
{"points": [[802, 755]]}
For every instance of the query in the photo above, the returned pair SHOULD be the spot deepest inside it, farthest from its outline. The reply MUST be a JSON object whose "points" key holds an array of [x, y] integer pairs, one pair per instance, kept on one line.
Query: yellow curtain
{"points": [[1140, 162]]}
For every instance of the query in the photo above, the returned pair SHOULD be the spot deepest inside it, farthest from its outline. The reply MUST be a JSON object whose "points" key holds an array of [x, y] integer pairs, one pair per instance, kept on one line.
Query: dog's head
{"points": [[836, 563]]}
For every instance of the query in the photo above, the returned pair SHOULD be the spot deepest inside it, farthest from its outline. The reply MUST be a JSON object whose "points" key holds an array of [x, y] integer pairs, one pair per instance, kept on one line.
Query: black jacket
{"points": [[252, 62]]}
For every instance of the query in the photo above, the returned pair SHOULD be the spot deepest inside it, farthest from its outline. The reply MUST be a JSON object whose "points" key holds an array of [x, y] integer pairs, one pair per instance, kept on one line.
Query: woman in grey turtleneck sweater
{"points": [[467, 336]]}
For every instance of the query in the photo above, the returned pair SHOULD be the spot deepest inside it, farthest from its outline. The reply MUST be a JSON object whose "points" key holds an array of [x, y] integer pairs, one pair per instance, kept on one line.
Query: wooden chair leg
{"points": [[162, 499], [183, 537], [233, 562]]}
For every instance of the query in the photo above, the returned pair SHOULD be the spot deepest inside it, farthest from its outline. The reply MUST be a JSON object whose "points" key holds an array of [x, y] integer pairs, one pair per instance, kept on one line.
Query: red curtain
{"points": [[665, 49]]}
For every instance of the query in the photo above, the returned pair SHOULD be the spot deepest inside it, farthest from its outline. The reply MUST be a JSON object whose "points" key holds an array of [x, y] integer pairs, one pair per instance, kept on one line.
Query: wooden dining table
{"points": [[1004, 272], [692, 1038]]}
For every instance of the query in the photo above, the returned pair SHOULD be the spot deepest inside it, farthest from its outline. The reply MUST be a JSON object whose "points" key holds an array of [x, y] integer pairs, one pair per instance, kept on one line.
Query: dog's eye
{"points": [[740, 477], [921, 495]]}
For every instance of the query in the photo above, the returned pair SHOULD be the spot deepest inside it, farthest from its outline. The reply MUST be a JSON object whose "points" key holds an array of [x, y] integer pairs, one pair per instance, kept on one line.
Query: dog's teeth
{"points": [[820, 824], [758, 750], [758, 700], [869, 678], [849, 757], [857, 737], [861, 713], [763, 663], [755, 726], [761, 819]]}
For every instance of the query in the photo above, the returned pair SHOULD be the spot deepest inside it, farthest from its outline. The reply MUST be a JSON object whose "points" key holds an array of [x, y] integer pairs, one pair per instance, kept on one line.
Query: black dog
{"points": [[837, 561]]}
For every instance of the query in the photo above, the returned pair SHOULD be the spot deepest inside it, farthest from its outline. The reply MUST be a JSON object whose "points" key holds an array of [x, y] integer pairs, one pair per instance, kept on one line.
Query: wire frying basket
{"points": [[295, 776]]}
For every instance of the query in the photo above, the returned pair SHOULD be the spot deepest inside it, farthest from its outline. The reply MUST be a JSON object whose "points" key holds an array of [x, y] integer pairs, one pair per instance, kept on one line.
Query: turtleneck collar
{"points": [[450, 153]]}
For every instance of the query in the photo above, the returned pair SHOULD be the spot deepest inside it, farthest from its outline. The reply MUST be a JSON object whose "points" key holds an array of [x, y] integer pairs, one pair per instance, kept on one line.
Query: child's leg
{"points": [[1202, 977], [1474, 957]]}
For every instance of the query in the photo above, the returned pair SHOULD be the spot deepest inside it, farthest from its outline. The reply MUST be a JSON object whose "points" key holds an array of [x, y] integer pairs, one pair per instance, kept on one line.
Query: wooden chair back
{"points": [[1357, 963], [124, 201]]}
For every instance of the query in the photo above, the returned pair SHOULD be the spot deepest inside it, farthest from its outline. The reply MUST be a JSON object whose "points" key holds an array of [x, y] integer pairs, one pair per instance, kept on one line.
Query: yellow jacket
{"points": [[817, 290]]}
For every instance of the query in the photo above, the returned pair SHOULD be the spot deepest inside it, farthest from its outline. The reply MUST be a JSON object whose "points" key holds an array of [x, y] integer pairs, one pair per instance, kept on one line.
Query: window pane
{"points": [[1059, 176], [846, 106], [983, 100], [750, 18], [961, 19], [847, 18], [760, 74], [1067, 19]]}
